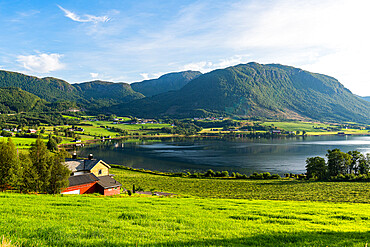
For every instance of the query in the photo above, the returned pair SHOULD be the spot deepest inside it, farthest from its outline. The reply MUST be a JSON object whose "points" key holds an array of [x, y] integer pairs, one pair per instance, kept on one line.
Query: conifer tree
{"points": [[40, 158], [8, 158], [59, 173], [28, 179], [52, 144]]}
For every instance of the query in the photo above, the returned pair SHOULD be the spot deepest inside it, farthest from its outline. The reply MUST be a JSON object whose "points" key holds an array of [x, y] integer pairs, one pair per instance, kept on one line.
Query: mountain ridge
{"points": [[255, 90], [165, 83], [250, 90]]}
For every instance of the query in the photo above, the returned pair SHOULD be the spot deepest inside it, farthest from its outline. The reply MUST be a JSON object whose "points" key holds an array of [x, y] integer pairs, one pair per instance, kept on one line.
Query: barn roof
{"points": [[108, 182], [82, 179]]}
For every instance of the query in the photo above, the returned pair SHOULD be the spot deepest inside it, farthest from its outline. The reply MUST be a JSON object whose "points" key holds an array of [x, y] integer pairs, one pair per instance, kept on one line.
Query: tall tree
{"points": [[8, 160], [316, 167], [364, 164], [59, 173], [52, 144], [338, 162], [40, 158], [354, 166], [28, 176]]}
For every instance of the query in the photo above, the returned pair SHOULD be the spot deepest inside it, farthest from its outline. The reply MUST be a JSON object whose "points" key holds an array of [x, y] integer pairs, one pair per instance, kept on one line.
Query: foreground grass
{"points": [[247, 189], [45, 220]]}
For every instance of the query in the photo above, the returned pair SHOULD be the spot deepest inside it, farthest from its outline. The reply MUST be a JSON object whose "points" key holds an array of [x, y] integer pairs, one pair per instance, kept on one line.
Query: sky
{"points": [[128, 41]]}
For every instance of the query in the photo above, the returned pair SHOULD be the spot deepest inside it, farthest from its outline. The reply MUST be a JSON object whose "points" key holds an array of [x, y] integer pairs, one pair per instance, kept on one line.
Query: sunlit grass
{"points": [[248, 189], [45, 220]]}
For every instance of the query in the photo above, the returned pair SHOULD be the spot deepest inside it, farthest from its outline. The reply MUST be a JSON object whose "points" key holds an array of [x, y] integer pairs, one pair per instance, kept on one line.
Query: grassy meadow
{"points": [[204, 212], [229, 188], [46, 220]]}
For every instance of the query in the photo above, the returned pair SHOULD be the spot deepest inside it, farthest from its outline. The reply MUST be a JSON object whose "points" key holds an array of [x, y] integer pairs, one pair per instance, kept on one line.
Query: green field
{"points": [[313, 128], [44, 220], [204, 212], [282, 189]]}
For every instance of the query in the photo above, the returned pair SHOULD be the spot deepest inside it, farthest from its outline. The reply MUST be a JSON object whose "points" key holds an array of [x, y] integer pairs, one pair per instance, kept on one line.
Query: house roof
{"points": [[83, 165], [82, 179], [108, 182]]}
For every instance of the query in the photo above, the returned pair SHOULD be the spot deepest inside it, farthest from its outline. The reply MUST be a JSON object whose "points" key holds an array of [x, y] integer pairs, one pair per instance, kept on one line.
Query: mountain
{"points": [[367, 98], [17, 100], [111, 93], [256, 90], [50, 89], [88, 95], [165, 83]]}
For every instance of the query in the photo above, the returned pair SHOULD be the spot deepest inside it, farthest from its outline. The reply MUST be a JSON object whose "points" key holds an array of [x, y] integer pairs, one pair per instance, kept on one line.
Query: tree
{"points": [[40, 158], [52, 144], [8, 161], [59, 174], [354, 166], [316, 167], [364, 164], [338, 162], [28, 176]]}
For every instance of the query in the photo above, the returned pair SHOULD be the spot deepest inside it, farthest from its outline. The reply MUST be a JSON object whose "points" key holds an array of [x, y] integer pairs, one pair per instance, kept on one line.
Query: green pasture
{"points": [[21, 142], [297, 126], [346, 131], [283, 189], [70, 117], [45, 220]]}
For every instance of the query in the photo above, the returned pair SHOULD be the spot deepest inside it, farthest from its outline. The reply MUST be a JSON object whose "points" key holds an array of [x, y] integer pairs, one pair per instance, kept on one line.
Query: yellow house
{"points": [[97, 167]]}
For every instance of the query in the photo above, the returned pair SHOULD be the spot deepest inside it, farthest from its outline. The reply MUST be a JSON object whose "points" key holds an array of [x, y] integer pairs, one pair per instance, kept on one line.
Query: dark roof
{"points": [[89, 164], [82, 179], [83, 165], [108, 182]]}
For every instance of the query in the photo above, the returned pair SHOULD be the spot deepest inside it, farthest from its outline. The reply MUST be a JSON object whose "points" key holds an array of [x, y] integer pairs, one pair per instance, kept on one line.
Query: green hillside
{"points": [[255, 90], [165, 83], [49, 89], [17, 100], [367, 98], [111, 93]]}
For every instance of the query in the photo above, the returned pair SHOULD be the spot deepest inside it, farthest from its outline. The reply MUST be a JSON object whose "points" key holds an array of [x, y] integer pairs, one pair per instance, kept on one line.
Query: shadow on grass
{"points": [[278, 239]]}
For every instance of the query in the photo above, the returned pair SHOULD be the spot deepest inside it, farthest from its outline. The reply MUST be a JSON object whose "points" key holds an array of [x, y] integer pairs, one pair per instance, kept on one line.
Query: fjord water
{"points": [[241, 155]]}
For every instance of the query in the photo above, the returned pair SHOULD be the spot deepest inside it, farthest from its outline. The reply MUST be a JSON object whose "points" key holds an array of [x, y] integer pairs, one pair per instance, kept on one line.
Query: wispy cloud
{"points": [[145, 76], [41, 63], [207, 66], [85, 18], [94, 75]]}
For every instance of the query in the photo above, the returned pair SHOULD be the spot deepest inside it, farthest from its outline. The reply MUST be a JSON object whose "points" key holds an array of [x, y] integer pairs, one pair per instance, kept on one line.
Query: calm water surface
{"points": [[244, 156]]}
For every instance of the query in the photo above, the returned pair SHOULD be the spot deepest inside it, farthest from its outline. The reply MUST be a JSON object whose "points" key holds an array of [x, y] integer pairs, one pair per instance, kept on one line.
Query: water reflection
{"points": [[244, 156]]}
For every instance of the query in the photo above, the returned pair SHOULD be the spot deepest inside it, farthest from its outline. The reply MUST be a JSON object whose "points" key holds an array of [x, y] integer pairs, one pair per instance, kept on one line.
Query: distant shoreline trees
{"points": [[339, 165], [39, 170]]}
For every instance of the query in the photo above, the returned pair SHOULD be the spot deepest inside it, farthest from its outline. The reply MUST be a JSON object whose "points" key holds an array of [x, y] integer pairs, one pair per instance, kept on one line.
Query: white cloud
{"points": [[85, 18], [207, 66], [94, 75], [41, 63], [145, 76]]}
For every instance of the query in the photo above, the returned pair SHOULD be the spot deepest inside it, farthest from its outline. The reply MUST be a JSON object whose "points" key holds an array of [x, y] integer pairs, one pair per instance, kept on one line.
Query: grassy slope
{"points": [[45, 220], [248, 189], [92, 220]]}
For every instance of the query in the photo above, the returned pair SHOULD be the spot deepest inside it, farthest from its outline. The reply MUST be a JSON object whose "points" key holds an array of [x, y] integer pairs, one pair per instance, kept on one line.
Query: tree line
{"points": [[339, 165], [38, 170]]}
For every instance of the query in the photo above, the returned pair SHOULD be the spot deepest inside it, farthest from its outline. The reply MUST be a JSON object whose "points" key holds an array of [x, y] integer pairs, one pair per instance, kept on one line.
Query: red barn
{"points": [[91, 176]]}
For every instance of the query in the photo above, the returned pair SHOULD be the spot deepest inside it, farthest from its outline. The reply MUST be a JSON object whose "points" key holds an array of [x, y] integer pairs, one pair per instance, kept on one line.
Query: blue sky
{"points": [[127, 41]]}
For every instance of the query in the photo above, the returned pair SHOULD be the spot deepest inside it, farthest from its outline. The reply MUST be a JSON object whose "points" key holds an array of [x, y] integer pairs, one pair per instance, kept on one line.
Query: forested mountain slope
{"points": [[367, 98], [17, 100], [50, 89], [165, 83], [255, 90], [110, 92]]}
